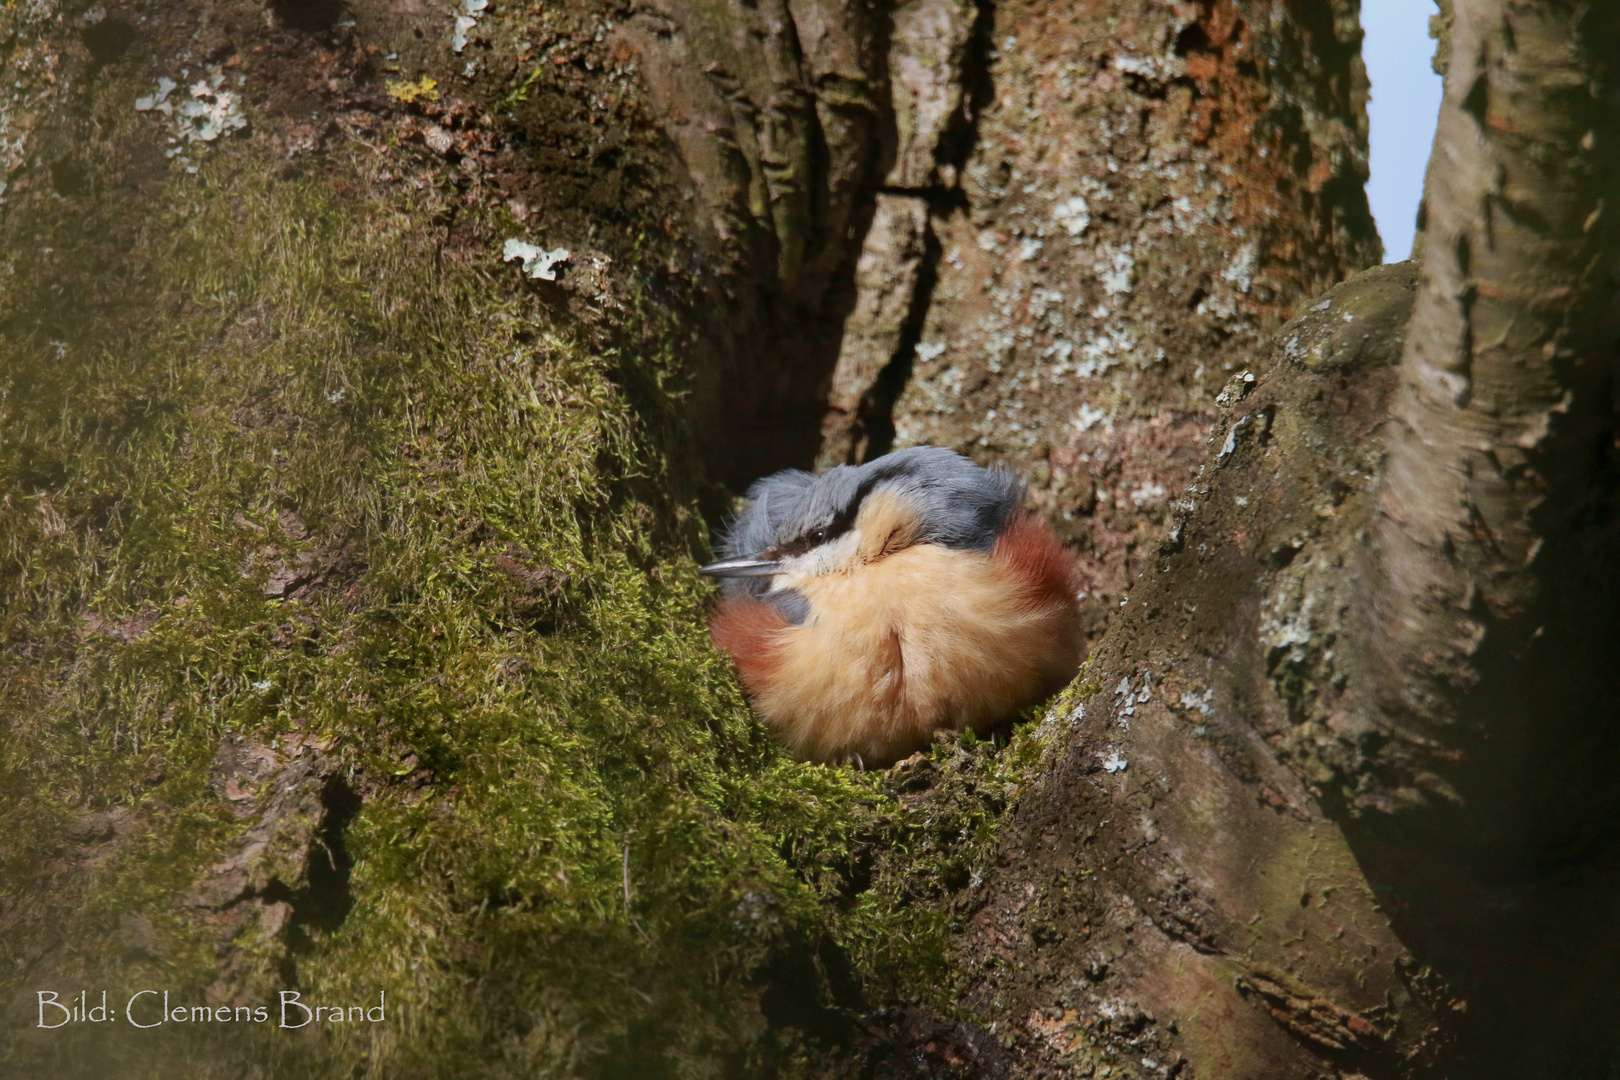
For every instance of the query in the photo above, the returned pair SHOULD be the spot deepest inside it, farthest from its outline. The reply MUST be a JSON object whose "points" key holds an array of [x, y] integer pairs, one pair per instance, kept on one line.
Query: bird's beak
{"points": [[742, 568]]}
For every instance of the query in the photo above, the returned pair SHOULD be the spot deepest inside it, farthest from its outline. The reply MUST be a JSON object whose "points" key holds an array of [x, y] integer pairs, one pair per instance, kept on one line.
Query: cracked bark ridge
{"points": [[929, 72], [933, 72], [775, 109], [1171, 895], [888, 277]]}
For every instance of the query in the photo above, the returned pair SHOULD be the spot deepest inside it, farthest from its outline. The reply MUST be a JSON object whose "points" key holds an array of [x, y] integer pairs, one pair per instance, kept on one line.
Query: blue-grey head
{"points": [[800, 525]]}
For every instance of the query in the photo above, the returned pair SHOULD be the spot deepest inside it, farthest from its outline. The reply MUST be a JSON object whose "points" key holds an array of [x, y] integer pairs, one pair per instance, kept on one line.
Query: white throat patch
{"points": [[833, 557]]}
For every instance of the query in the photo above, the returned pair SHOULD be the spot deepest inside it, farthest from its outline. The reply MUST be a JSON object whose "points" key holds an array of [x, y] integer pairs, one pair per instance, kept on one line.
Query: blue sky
{"points": [[1405, 101]]}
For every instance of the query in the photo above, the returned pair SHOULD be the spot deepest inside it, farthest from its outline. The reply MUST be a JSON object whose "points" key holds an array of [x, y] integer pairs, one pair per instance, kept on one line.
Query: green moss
{"points": [[573, 851]]}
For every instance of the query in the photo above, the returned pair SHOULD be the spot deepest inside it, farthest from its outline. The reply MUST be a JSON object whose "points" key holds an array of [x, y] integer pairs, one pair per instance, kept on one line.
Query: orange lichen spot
{"points": [[1202, 66]]}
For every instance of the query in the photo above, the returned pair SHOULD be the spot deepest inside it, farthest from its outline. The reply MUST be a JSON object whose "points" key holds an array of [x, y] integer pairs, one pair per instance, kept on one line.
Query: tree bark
{"points": [[1501, 426], [1129, 199], [353, 644], [1170, 886], [1492, 622], [1420, 652]]}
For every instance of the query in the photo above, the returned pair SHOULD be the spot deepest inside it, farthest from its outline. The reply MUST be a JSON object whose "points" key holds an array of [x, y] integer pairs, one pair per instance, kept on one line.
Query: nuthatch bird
{"points": [[874, 604]]}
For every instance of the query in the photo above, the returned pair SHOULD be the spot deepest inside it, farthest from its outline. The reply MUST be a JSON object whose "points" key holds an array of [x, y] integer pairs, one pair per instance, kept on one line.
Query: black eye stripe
{"points": [[841, 523], [846, 518], [799, 545]]}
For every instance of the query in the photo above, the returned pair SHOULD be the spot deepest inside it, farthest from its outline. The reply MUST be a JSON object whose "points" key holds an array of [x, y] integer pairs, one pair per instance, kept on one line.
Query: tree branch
{"points": [[1505, 402]]}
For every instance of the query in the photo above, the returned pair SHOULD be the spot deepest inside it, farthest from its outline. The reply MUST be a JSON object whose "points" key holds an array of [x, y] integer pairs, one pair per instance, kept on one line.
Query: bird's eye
{"points": [[818, 536]]}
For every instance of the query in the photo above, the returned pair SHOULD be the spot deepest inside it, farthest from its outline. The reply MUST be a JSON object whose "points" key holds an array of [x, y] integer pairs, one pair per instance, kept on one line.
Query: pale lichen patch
{"points": [[537, 261]]}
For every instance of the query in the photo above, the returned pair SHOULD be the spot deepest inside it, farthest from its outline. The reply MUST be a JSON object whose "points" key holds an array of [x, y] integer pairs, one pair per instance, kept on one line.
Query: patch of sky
{"points": [[1398, 52]]}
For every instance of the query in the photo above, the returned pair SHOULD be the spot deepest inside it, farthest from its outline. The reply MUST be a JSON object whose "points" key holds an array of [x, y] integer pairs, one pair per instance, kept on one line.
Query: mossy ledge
{"points": [[353, 643]]}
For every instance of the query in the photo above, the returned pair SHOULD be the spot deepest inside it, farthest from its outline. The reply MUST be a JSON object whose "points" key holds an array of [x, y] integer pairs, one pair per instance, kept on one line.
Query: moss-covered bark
{"points": [[352, 639], [353, 642]]}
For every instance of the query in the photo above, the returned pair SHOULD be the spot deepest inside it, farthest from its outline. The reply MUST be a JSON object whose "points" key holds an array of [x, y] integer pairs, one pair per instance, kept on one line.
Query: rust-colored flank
{"points": [[1036, 558], [750, 630]]}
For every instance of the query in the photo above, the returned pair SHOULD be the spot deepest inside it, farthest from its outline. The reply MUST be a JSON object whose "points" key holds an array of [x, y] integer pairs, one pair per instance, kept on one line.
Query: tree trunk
{"points": [[1395, 635], [1078, 219], [1170, 888], [1491, 614], [352, 645]]}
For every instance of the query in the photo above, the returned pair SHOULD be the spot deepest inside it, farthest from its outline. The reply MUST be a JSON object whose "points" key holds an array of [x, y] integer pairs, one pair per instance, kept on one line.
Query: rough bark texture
{"points": [[1432, 651], [777, 113], [1492, 599], [1503, 423], [351, 636], [1169, 893], [1129, 200], [1038, 233]]}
